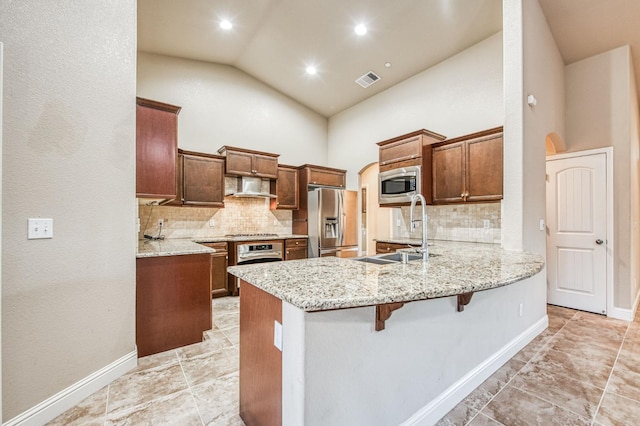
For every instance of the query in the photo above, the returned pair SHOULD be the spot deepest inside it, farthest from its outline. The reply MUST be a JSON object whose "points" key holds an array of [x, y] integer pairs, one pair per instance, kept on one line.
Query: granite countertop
{"points": [[181, 246], [334, 283], [170, 247]]}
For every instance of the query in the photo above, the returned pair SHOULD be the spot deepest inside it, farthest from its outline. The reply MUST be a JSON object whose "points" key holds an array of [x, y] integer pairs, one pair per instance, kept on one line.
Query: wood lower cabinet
{"points": [[260, 361], [200, 180], [219, 263], [389, 247], [156, 149], [469, 168], [285, 188], [173, 301], [246, 162], [295, 248]]}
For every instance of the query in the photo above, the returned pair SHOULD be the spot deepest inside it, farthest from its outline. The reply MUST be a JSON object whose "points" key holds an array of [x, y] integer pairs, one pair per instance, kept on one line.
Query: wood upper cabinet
{"points": [[245, 162], [285, 188], [468, 168], [156, 149], [200, 180], [321, 176], [295, 248], [411, 149]]}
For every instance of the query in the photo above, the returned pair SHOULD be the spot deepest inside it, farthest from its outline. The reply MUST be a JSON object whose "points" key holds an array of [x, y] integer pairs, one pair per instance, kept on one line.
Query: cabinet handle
{"points": [[287, 251]]}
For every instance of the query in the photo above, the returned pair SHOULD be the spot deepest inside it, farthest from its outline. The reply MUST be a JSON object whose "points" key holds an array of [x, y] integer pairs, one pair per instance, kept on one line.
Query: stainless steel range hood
{"points": [[248, 187]]}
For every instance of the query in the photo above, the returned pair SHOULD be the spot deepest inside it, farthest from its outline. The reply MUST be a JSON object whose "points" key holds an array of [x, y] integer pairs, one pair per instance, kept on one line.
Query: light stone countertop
{"points": [[181, 246], [333, 283], [170, 247]]}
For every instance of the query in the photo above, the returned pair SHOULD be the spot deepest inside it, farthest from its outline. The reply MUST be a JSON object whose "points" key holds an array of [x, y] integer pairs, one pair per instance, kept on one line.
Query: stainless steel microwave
{"points": [[398, 185]]}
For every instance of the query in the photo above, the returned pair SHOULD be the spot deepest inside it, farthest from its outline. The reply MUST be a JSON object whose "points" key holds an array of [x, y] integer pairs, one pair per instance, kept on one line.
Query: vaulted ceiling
{"points": [[276, 40]]}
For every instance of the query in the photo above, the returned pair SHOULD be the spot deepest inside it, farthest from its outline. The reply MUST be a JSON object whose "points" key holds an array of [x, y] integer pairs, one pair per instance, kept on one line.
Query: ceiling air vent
{"points": [[368, 79]]}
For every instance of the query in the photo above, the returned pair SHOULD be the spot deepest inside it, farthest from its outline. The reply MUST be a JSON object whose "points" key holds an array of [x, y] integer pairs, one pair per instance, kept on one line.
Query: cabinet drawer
{"points": [[296, 242], [388, 247], [218, 246]]}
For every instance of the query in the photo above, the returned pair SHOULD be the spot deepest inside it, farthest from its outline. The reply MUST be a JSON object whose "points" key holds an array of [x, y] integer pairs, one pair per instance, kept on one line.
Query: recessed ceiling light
{"points": [[226, 25], [387, 64], [311, 70], [360, 29]]}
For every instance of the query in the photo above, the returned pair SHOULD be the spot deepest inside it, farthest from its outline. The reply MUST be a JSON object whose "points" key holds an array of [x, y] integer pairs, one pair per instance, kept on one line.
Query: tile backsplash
{"points": [[239, 216], [460, 222]]}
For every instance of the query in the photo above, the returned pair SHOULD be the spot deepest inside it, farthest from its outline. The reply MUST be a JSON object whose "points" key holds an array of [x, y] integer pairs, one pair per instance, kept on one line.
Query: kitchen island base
{"points": [[337, 369]]}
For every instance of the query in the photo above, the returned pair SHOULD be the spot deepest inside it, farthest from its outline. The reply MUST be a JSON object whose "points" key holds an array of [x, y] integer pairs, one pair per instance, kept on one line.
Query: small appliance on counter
{"points": [[332, 222]]}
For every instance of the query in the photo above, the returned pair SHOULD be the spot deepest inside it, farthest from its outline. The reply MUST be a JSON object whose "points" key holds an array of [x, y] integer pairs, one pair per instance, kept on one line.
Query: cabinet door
{"points": [[265, 166], [484, 170], [173, 301], [404, 150], [295, 253], [156, 150], [239, 163], [448, 171], [286, 189], [326, 178], [202, 181], [219, 263]]}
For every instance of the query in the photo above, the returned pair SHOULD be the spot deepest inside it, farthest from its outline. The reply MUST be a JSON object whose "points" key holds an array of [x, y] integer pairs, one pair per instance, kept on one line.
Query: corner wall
{"points": [[602, 111], [222, 105], [68, 303]]}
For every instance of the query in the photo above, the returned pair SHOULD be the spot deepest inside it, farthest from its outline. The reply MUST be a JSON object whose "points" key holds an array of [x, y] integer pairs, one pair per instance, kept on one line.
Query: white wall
{"points": [[461, 95], [1, 132], [222, 105], [602, 111], [337, 370], [634, 159], [68, 303]]}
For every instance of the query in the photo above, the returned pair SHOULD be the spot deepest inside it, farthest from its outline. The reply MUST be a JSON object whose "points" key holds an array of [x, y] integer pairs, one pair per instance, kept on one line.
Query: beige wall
{"points": [[461, 95], [601, 112], [222, 105], [68, 303]]}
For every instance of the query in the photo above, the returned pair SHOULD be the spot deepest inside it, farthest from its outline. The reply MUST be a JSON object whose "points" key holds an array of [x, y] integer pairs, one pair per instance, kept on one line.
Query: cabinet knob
{"points": [[287, 251], [297, 242]]}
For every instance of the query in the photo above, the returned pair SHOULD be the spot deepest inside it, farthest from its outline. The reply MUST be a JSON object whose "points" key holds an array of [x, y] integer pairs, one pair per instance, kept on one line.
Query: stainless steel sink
{"points": [[397, 257]]}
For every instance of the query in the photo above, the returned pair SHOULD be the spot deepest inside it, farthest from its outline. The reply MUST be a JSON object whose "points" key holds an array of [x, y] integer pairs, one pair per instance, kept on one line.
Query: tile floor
{"points": [[583, 370], [192, 385]]}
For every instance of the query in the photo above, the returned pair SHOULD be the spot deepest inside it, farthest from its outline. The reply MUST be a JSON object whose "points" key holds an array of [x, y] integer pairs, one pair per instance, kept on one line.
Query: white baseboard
{"points": [[447, 400], [624, 313], [52, 407]]}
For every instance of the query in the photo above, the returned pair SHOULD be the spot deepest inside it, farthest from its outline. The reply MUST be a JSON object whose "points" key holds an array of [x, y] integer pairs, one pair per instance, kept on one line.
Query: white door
{"points": [[577, 240]]}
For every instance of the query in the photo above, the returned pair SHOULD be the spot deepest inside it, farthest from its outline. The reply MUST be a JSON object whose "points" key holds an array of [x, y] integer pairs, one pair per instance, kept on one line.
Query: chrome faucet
{"points": [[424, 247]]}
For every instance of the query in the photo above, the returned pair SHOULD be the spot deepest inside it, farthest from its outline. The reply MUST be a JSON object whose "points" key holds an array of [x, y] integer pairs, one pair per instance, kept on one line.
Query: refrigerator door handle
{"points": [[343, 219]]}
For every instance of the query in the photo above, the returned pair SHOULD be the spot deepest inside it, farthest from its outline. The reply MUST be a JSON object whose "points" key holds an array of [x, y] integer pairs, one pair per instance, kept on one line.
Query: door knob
{"points": [[599, 241]]}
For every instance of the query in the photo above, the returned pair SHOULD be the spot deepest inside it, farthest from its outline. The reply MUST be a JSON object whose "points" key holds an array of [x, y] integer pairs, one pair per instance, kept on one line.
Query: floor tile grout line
{"points": [[593, 420], [514, 376], [193, 397], [106, 406]]}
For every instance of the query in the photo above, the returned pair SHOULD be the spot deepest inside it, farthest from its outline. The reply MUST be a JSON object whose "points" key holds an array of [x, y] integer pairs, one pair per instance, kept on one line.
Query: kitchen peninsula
{"points": [[335, 368]]}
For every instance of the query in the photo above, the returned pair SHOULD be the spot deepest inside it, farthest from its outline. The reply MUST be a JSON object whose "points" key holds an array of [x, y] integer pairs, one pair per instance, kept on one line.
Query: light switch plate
{"points": [[40, 228]]}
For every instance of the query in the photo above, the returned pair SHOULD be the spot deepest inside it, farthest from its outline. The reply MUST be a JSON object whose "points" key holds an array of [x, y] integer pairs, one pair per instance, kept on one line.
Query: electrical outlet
{"points": [[521, 309], [160, 222], [487, 224], [138, 224], [212, 222], [277, 335], [542, 224]]}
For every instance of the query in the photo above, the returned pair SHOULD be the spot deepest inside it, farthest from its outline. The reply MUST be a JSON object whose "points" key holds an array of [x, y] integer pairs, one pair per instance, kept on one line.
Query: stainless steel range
{"points": [[259, 252]]}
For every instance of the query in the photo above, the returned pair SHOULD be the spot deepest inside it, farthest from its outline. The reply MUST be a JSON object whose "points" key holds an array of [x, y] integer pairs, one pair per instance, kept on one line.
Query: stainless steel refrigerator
{"points": [[332, 222]]}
